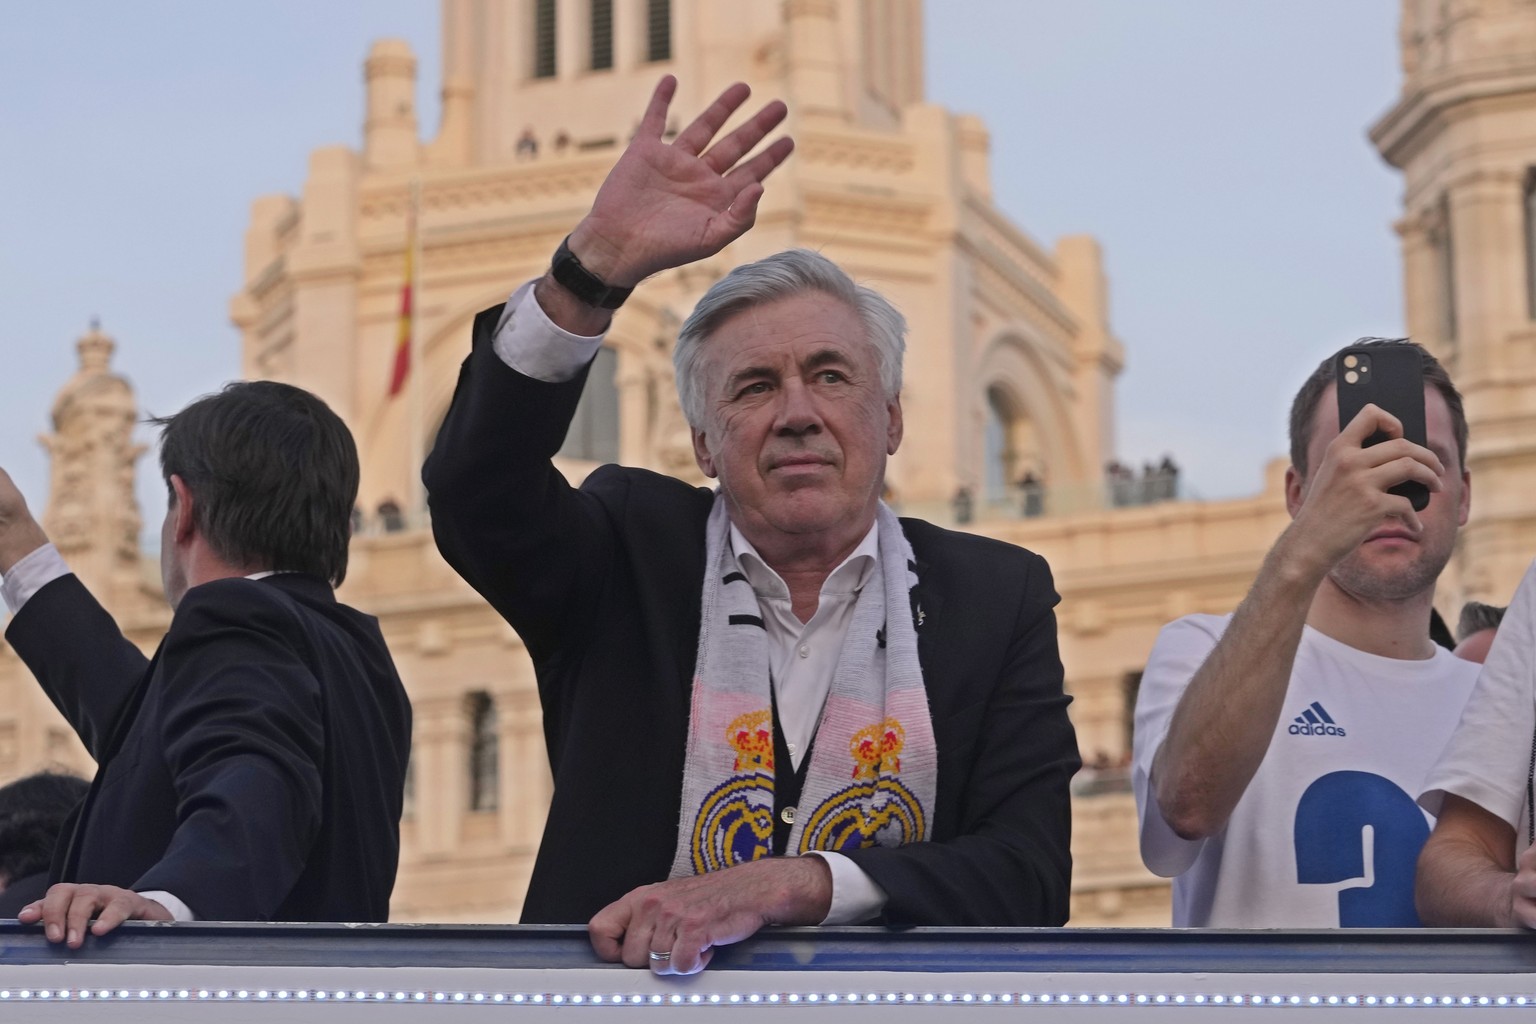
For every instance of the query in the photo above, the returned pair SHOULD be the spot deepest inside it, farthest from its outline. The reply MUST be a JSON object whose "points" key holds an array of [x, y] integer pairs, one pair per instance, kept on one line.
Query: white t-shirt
{"points": [[1327, 834], [1489, 758]]}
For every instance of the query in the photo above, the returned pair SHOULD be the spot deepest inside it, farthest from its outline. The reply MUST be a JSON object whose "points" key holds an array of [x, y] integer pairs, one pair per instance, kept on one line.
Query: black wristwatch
{"points": [[582, 283]]}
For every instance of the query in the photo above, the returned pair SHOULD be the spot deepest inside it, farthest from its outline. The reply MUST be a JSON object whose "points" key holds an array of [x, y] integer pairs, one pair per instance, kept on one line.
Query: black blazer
{"points": [[254, 768], [603, 584]]}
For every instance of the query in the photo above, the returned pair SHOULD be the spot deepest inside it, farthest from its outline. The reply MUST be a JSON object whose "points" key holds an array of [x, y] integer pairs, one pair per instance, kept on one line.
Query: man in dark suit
{"points": [[782, 665], [254, 768]]}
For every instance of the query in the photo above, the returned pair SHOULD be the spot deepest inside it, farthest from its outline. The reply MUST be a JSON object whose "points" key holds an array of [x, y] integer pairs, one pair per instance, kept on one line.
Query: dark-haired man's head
{"points": [[1321, 383], [266, 475], [1394, 562], [32, 812]]}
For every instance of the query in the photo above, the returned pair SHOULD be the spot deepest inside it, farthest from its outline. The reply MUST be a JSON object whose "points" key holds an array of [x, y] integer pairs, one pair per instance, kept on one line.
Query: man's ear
{"points": [[182, 508], [1294, 491], [701, 454], [893, 427]]}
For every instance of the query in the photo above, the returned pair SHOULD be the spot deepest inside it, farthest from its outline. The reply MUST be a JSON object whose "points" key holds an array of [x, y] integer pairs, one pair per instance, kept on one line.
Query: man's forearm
{"points": [[1226, 717], [1460, 886], [1467, 871]]}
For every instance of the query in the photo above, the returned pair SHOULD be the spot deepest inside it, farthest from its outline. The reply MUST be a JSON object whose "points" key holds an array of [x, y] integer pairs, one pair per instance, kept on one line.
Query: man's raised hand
{"points": [[668, 204], [19, 533], [1347, 494]]}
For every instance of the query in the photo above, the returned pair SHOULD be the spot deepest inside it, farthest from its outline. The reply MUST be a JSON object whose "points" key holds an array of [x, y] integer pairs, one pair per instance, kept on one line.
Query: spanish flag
{"points": [[403, 331]]}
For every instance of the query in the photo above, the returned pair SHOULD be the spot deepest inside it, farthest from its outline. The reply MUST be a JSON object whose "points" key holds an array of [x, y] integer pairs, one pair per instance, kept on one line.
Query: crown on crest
{"points": [[877, 748], [750, 739]]}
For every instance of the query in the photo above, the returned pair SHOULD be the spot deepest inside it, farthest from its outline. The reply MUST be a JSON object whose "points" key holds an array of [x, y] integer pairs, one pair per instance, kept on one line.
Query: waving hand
{"points": [[667, 204]]}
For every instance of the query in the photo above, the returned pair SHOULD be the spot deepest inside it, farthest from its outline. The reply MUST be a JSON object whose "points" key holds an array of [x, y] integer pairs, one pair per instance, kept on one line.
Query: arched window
{"points": [[594, 433], [408, 807], [600, 20], [544, 38], [1012, 450], [1530, 242], [1445, 269], [658, 30], [484, 753]]}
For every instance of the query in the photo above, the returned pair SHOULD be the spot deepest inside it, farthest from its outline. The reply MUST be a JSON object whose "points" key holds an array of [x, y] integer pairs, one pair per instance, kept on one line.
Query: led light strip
{"points": [[769, 998]]}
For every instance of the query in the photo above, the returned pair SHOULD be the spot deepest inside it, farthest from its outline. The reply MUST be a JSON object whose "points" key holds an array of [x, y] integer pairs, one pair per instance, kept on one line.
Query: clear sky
{"points": [[1216, 149]]}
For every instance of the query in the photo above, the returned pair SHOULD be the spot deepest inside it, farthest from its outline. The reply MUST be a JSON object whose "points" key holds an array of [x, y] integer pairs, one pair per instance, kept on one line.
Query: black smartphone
{"points": [[1392, 378]]}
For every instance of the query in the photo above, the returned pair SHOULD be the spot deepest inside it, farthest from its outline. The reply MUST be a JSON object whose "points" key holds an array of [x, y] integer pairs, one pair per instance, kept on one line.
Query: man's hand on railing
{"points": [[69, 907], [672, 927]]}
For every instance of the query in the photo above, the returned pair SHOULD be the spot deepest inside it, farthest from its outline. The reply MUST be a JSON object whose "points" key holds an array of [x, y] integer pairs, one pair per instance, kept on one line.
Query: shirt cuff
{"points": [[856, 897], [535, 346], [179, 910], [30, 574]]}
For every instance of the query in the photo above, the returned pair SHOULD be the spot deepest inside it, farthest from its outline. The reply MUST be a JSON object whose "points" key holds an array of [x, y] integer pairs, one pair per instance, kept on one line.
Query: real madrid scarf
{"points": [[873, 768]]}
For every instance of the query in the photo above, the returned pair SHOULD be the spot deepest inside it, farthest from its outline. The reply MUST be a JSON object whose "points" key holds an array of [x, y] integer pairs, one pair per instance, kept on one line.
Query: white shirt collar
{"points": [[848, 578]]}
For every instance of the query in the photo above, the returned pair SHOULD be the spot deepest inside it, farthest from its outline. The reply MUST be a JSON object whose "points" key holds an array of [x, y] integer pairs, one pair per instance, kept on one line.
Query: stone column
{"points": [[526, 785], [441, 745], [634, 427], [390, 138], [817, 86]]}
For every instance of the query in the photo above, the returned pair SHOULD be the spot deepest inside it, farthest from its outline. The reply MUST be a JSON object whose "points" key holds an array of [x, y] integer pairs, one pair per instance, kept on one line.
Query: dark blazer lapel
{"points": [[927, 605]]}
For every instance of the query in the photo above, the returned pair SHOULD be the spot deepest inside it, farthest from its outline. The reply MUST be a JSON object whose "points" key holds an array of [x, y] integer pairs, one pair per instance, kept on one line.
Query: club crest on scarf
{"points": [[735, 821], [877, 809]]}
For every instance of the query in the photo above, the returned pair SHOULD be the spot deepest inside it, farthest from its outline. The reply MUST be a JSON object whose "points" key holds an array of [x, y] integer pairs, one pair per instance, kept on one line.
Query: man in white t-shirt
{"points": [[1278, 750], [1478, 870]]}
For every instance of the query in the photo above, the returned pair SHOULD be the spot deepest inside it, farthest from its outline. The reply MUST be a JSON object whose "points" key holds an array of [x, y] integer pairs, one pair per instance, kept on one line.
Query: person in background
{"points": [[1475, 630], [33, 810], [1478, 869], [1268, 741], [253, 769]]}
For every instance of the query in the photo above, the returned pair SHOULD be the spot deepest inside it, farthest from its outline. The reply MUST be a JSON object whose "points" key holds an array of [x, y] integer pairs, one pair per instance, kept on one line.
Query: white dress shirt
{"points": [[803, 655]]}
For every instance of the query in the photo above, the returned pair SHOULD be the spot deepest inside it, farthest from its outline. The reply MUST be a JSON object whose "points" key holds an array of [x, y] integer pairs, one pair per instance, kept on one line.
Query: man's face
{"points": [[796, 423], [1393, 562]]}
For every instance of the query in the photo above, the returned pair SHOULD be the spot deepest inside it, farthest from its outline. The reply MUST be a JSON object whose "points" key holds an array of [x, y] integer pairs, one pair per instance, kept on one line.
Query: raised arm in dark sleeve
{"points": [[76, 651], [502, 515]]}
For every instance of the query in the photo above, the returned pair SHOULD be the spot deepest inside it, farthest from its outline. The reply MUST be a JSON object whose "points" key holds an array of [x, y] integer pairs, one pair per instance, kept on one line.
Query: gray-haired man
{"points": [[777, 667]]}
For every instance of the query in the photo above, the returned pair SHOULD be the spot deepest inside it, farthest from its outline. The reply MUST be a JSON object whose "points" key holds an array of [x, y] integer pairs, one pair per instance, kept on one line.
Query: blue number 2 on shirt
{"points": [[1330, 847]]}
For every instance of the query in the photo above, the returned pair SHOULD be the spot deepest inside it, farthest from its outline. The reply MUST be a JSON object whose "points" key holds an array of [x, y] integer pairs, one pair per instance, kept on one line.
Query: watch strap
{"points": [[582, 283]]}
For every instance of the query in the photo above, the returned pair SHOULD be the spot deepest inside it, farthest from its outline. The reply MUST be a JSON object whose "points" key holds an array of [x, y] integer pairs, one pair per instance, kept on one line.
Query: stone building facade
{"points": [[1010, 370]]}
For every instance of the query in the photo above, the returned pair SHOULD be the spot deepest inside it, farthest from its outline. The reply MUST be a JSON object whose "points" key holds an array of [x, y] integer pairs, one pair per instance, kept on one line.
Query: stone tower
{"points": [[93, 518], [1463, 131], [92, 514]]}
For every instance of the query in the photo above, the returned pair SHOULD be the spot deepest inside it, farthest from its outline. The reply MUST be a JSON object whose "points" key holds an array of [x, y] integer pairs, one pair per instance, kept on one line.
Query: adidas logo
{"points": [[1314, 721]]}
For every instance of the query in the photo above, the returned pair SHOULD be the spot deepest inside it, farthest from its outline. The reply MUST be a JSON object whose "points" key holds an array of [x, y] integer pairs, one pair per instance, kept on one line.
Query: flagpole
{"points": [[417, 513]]}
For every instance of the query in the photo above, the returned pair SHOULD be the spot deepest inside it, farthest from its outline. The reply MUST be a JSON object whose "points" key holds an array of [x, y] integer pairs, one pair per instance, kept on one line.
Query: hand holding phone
{"points": [[1392, 378]]}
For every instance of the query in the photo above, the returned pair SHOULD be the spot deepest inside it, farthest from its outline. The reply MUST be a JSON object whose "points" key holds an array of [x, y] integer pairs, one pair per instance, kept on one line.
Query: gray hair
{"points": [[1476, 617], [780, 276]]}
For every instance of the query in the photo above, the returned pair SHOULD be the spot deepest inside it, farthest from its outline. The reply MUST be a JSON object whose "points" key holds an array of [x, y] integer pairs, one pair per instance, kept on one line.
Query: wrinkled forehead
{"points": [[788, 330]]}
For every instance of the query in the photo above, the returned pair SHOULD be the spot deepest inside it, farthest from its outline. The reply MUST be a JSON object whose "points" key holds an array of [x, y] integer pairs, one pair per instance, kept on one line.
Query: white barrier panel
{"points": [[238, 973]]}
